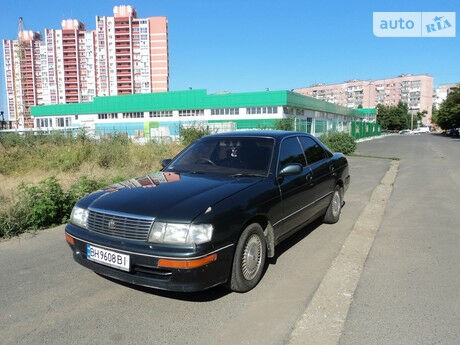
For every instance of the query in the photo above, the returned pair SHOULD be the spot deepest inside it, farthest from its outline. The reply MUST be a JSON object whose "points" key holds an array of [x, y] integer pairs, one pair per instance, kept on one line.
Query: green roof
{"points": [[190, 99], [367, 111]]}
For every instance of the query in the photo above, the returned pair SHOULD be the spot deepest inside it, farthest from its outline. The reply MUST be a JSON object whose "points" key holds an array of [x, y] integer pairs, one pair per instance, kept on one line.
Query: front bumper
{"points": [[144, 270]]}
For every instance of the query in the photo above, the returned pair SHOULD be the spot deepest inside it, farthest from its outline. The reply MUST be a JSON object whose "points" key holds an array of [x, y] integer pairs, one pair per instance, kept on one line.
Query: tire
{"points": [[335, 206], [247, 269]]}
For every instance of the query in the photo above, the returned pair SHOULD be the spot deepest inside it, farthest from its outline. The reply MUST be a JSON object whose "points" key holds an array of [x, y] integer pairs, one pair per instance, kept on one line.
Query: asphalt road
{"points": [[409, 291], [47, 298]]}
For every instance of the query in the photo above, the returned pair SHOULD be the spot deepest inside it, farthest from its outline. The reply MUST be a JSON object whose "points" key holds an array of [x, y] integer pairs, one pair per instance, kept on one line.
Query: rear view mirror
{"points": [[291, 169], [165, 162]]}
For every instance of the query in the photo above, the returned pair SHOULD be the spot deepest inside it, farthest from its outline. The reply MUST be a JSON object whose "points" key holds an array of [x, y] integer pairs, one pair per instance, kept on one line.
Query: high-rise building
{"points": [[124, 55], [23, 81], [132, 53], [414, 90]]}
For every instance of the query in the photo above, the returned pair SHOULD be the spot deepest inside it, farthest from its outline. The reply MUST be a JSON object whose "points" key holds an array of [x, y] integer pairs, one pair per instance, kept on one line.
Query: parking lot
{"points": [[47, 298]]}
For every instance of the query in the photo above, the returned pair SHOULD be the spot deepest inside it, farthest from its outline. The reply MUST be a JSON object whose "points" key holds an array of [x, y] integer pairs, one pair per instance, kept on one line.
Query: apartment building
{"points": [[22, 76], [123, 55], [441, 93], [414, 90], [132, 53]]}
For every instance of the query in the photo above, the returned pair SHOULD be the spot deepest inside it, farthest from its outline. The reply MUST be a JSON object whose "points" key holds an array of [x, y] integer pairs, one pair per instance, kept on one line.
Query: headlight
{"points": [[177, 233], [79, 216]]}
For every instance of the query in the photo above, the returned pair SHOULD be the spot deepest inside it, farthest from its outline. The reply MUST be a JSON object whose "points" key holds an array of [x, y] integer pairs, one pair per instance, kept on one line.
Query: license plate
{"points": [[107, 257]]}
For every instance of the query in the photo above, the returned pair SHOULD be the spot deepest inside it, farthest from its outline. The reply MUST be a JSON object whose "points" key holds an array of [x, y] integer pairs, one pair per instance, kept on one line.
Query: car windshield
{"points": [[226, 155]]}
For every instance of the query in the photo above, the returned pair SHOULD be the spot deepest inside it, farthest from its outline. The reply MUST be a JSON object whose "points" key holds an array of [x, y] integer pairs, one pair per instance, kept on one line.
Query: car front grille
{"points": [[119, 226]]}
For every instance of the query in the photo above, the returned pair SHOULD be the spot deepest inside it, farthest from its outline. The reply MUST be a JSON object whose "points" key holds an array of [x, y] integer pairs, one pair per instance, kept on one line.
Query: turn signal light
{"points": [[69, 239], [187, 264]]}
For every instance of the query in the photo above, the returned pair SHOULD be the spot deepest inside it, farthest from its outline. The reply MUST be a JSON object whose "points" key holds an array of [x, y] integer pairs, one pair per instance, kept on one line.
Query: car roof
{"points": [[276, 134]]}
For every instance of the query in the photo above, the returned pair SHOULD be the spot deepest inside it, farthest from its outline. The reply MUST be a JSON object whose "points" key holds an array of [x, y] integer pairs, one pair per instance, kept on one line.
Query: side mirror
{"points": [[291, 169], [165, 162]]}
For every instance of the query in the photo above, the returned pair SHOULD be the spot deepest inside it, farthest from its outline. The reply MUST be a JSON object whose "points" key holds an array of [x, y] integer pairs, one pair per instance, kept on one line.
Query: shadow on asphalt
{"points": [[221, 291], [456, 138], [291, 241]]}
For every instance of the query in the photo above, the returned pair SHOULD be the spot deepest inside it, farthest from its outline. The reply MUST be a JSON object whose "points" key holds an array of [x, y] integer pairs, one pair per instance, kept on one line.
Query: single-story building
{"points": [[156, 115]]}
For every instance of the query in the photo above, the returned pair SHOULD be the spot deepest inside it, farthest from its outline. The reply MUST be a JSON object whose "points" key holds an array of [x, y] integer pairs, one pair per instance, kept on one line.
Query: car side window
{"points": [[291, 152], [313, 151]]}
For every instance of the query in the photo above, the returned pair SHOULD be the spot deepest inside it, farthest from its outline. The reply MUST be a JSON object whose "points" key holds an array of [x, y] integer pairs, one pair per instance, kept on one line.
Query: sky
{"points": [[235, 45]]}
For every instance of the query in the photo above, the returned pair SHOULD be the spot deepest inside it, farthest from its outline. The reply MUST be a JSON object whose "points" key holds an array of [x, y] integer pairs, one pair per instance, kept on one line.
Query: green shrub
{"points": [[10, 139], [285, 124], [189, 134], [339, 142], [12, 221], [77, 191], [43, 205], [113, 151]]}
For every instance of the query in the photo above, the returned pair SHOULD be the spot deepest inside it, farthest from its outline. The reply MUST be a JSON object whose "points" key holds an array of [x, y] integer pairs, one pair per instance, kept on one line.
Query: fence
{"points": [[361, 130]]}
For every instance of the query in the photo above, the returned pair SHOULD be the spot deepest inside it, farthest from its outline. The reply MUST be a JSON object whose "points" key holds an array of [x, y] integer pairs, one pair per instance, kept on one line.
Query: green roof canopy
{"points": [[367, 111], [190, 99]]}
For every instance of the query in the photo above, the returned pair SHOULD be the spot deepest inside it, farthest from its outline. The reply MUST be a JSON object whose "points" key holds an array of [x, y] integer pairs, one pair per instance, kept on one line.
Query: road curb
{"points": [[324, 317]]}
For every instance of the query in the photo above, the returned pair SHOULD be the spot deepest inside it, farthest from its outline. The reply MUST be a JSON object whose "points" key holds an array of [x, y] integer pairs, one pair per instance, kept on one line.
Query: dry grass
{"points": [[69, 159]]}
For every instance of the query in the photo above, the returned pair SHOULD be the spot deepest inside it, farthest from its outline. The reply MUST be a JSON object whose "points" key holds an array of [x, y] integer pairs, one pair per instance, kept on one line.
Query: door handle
{"points": [[331, 168], [309, 178]]}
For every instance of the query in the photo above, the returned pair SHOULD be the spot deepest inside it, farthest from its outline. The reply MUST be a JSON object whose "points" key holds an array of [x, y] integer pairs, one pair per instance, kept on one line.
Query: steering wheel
{"points": [[207, 161]]}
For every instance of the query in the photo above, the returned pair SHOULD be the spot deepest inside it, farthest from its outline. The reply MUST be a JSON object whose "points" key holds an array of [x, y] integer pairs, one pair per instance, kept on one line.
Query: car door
{"points": [[323, 174], [295, 190]]}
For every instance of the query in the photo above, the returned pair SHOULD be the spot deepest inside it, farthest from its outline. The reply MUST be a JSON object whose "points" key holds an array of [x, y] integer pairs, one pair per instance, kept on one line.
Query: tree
{"points": [[189, 134], [448, 115], [434, 114], [285, 124], [393, 117]]}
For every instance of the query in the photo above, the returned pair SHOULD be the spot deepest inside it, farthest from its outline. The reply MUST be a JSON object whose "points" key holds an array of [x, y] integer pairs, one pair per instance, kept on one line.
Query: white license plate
{"points": [[107, 257]]}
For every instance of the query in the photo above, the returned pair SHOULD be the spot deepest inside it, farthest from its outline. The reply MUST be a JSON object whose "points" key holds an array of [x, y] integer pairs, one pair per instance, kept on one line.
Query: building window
{"points": [[191, 112], [108, 116], [133, 115], [164, 113], [262, 110], [225, 111]]}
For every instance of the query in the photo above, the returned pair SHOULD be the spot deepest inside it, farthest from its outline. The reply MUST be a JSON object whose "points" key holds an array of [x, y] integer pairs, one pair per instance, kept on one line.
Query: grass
{"points": [[48, 166]]}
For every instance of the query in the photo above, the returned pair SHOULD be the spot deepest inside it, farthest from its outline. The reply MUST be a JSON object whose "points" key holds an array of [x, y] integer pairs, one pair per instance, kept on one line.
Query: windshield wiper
{"points": [[247, 175]]}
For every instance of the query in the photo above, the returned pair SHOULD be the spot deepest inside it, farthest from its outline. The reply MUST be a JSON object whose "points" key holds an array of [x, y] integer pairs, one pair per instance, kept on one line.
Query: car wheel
{"points": [[335, 206], [249, 259]]}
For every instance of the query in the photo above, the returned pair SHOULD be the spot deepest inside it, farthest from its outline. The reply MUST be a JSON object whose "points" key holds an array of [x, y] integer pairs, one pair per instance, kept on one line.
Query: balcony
{"points": [[124, 44], [121, 24], [123, 64], [123, 51]]}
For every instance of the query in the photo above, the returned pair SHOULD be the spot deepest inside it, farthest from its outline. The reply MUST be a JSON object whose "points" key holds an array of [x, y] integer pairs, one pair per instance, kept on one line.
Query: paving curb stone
{"points": [[325, 315]]}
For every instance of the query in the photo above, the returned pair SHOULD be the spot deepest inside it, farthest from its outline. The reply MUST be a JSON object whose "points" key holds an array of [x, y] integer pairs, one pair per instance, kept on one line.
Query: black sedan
{"points": [[213, 214]]}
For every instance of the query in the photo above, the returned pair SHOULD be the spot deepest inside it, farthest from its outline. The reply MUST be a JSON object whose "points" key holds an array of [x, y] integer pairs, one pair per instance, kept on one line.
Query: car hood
{"points": [[166, 195]]}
